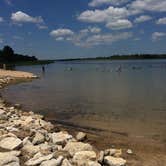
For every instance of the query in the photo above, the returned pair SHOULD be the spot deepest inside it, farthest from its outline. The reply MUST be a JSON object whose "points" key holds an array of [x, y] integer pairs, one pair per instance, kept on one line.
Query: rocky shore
{"points": [[27, 139]]}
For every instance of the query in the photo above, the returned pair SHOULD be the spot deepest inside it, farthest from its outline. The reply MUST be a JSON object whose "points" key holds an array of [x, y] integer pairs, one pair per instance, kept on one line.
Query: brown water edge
{"points": [[147, 151]]}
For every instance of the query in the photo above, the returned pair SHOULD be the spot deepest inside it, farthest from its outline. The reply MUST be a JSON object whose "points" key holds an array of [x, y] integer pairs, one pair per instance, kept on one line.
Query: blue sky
{"points": [[83, 28]]}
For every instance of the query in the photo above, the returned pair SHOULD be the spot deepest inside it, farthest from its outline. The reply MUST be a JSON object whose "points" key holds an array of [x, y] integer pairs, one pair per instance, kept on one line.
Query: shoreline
{"points": [[27, 138]]}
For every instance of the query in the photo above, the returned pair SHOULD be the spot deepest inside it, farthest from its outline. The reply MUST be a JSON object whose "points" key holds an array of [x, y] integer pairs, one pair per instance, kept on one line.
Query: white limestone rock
{"points": [[53, 162], [10, 143], [114, 161], [60, 138], [38, 139], [73, 147], [9, 158], [38, 159], [81, 136], [84, 156]]}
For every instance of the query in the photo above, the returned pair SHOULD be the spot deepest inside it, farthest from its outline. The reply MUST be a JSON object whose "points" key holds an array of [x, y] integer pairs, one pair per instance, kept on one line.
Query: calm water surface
{"points": [[94, 94]]}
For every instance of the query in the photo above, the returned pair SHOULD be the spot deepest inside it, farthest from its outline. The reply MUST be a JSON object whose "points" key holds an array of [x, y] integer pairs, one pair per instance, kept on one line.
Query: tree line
{"points": [[7, 55]]}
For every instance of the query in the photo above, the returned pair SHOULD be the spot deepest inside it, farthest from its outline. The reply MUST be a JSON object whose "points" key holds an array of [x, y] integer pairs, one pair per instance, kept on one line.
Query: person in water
{"points": [[43, 69]]}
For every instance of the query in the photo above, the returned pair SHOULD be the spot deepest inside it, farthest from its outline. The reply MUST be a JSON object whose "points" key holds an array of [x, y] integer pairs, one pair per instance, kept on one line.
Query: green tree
{"points": [[8, 53]]}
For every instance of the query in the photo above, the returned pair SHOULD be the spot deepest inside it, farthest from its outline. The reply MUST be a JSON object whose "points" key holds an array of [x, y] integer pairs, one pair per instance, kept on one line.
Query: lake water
{"points": [[94, 94]]}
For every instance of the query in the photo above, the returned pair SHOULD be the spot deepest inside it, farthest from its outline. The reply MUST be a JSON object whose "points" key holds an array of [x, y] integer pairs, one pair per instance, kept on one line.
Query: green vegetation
{"points": [[8, 57], [122, 57]]}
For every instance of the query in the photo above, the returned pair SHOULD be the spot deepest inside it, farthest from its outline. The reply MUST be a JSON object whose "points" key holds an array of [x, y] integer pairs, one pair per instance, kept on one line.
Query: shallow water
{"points": [[94, 94]]}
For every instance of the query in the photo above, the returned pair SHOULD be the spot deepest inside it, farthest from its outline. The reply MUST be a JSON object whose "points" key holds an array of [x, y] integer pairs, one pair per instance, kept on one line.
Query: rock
{"points": [[93, 163], [38, 159], [46, 125], [63, 153], [30, 150], [10, 143], [9, 158], [113, 152], [2, 112], [66, 163], [73, 147], [113, 161], [53, 162], [129, 151], [81, 136], [101, 157], [38, 139], [60, 138], [84, 156]]}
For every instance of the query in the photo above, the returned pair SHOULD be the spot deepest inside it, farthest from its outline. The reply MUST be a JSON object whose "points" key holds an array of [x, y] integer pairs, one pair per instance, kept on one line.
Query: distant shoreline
{"points": [[120, 57]]}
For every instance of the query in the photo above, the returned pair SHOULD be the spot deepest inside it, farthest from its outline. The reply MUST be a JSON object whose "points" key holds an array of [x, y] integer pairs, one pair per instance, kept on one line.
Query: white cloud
{"points": [[21, 17], [59, 39], [142, 18], [89, 37], [161, 20], [158, 35], [42, 26], [98, 16], [95, 3], [119, 24], [148, 5], [90, 30], [104, 39], [94, 29], [61, 32], [1, 19]]}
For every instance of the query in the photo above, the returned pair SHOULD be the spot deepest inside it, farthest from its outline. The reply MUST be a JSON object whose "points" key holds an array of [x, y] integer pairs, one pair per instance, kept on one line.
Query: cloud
{"points": [[98, 16], [161, 21], [148, 5], [119, 24], [95, 3], [42, 26], [88, 37], [142, 18], [90, 30], [61, 34], [1, 40], [104, 39], [1, 19], [158, 35], [9, 2], [21, 17]]}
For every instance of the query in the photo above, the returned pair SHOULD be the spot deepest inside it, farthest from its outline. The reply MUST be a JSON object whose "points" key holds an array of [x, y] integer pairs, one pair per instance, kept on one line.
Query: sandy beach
{"points": [[16, 74]]}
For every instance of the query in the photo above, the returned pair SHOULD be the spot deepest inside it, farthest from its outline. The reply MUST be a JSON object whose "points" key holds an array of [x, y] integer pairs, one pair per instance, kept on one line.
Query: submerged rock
{"points": [[81, 136], [113, 161]]}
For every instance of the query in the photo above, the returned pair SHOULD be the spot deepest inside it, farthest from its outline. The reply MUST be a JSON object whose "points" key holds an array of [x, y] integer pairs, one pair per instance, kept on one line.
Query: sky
{"points": [[55, 29]]}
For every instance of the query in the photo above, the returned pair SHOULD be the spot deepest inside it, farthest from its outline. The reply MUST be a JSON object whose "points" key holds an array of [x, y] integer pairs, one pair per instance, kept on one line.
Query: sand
{"points": [[16, 74]]}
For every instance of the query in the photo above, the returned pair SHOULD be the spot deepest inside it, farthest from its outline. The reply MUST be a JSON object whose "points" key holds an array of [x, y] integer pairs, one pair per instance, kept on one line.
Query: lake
{"points": [[114, 96]]}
